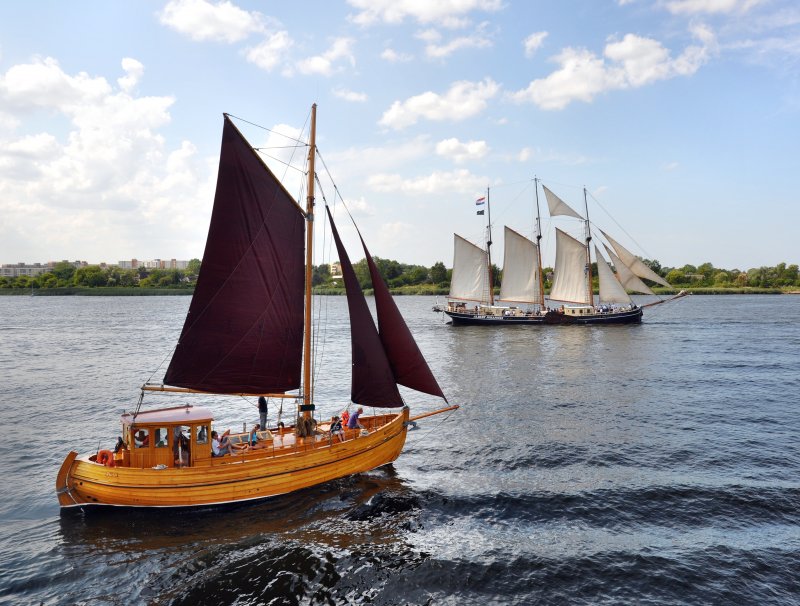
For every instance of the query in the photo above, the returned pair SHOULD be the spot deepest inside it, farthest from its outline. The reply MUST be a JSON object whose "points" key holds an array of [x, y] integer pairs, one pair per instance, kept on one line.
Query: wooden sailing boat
{"points": [[248, 332], [572, 276], [472, 280]]}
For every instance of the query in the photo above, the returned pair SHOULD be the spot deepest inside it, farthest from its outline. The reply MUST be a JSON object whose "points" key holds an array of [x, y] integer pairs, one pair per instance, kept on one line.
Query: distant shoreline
{"points": [[121, 291]]}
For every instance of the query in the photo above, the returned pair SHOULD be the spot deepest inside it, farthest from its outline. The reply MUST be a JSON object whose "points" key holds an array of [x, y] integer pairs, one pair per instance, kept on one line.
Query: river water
{"points": [[648, 464]]}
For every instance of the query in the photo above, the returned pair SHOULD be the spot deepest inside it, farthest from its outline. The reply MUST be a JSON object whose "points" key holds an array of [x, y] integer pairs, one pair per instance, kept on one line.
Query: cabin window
{"points": [[202, 434], [161, 437], [141, 439]]}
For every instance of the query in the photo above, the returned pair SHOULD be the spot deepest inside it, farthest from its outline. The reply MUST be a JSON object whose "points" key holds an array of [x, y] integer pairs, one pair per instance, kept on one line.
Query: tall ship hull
{"points": [[630, 316]]}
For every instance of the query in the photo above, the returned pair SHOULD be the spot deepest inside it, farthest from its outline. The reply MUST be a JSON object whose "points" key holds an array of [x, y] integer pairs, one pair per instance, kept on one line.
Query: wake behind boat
{"points": [[248, 333]]}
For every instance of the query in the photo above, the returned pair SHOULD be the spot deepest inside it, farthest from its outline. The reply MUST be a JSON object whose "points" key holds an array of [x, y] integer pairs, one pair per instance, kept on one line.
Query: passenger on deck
{"points": [[141, 439], [353, 422], [336, 428], [220, 447], [262, 411], [253, 440]]}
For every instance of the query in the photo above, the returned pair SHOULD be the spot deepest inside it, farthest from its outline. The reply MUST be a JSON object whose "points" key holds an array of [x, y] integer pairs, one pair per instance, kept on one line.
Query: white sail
{"points": [[611, 291], [520, 269], [634, 264], [570, 272], [470, 272], [557, 206], [628, 279]]}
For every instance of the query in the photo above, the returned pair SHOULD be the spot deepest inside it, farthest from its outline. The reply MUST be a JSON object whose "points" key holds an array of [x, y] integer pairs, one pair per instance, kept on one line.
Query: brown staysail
{"points": [[244, 329], [373, 383], [408, 365]]}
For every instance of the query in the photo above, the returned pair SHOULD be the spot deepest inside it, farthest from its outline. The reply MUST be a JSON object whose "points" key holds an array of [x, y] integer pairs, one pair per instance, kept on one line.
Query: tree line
{"points": [[65, 274], [397, 275]]}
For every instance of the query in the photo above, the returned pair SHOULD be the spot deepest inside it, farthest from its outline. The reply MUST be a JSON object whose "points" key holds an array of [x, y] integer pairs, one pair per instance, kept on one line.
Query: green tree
{"points": [[91, 275], [438, 273], [64, 271], [321, 274], [676, 276], [193, 267]]}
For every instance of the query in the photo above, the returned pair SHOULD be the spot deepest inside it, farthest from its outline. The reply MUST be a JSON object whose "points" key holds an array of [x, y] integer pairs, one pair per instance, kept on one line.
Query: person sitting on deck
{"points": [[353, 422], [220, 446], [336, 428], [253, 440]]}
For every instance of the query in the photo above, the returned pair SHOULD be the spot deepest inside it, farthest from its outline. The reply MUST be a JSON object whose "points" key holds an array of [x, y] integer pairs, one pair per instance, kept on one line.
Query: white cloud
{"points": [[324, 64], [450, 14], [463, 100], [631, 62], [202, 20], [393, 56], [439, 51], [271, 52], [359, 207], [108, 184], [533, 43], [349, 95], [395, 231], [691, 7], [436, 183], [524, 154], [670, 166], [460, 152], [133, 73]]}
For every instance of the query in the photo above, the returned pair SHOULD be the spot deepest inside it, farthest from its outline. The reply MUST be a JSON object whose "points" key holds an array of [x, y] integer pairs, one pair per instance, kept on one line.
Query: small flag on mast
{"points": [[480, 200], [480, 212]]}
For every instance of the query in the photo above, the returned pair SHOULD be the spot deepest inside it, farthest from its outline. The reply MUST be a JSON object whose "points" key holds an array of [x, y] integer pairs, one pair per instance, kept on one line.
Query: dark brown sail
{"points": [[244, 329], [408, 365], [373, 380]]}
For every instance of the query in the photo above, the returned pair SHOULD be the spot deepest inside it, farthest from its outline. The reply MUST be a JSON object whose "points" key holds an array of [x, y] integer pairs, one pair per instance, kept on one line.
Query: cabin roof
{"points": [[178, 414]]}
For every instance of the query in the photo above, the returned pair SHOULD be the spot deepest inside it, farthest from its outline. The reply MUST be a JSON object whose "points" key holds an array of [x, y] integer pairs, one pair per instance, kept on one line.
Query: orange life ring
{"points": [[105, 457]]}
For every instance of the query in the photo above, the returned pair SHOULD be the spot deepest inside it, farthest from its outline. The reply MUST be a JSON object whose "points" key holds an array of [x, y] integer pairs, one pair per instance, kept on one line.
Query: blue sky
{"points": [[680, 117]]}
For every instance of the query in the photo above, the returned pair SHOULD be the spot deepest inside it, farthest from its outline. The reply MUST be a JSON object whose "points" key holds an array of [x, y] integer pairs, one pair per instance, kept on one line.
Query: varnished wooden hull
{"points": [[230, 479]]}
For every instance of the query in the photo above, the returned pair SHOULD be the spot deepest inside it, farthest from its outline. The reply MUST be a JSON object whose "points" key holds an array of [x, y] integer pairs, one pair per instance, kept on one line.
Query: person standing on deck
{"points": [[262, 411]]}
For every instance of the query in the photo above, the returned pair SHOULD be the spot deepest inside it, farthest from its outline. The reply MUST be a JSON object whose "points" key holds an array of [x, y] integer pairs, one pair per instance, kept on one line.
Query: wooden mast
{"points": [[539, 243], [307, 406], [590, 293], [489, 248]]}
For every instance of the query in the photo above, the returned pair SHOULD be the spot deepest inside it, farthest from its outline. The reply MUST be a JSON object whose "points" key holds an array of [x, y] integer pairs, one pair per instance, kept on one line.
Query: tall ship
{"points": [[248, 333], [571, 298]]}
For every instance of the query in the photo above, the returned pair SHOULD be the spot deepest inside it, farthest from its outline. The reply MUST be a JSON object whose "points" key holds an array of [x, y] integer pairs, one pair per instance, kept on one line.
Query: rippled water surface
{"points": [[650, 464]]}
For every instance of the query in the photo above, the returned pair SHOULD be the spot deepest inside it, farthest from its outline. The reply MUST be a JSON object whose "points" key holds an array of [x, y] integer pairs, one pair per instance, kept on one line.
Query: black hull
{"points": [[631, 316], [471, 319]]}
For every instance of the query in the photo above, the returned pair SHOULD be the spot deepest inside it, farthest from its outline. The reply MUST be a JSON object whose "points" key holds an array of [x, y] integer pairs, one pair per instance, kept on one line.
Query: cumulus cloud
{"points": [[349, 95], [109, 183], [437, 50], [451, 14], [393, 56], [271, 51], [463, 100], [133, 73], [533, 42], [692, 7], [631, 62], [217, 21], [460, 152], [325, 64], [439, 182]]}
